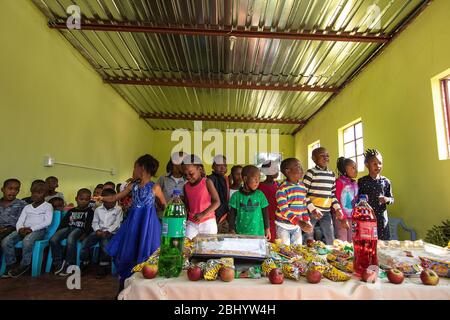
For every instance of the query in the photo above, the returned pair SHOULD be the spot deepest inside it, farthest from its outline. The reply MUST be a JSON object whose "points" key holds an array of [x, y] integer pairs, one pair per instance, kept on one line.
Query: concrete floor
{"points": [[51, 287]]}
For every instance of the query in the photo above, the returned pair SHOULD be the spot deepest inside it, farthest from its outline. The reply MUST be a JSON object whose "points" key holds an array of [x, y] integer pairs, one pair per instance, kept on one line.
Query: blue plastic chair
{"points": [[39, 247], [96, 248], [394, 223]]}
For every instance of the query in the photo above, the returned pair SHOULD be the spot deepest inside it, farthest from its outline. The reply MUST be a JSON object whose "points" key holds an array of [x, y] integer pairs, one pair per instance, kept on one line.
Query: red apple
{"points": [[395, 276], [194, 273], [226, 274], [149, 271], [429, 277], [276, 276], [313, 276], [310, 242], [369, 276]]}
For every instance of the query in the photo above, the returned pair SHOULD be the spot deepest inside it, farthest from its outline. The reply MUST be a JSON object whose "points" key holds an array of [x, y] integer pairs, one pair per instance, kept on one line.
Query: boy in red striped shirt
{"points": [[292, 215]]}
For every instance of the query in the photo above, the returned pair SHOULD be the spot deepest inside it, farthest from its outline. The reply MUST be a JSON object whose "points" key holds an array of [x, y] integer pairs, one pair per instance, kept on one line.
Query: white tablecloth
{"points": [[139, 288]]}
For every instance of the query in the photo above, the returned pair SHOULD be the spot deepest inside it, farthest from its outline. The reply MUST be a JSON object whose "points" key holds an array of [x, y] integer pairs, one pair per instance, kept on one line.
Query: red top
{"points": [[270, 191], [199, 200]]}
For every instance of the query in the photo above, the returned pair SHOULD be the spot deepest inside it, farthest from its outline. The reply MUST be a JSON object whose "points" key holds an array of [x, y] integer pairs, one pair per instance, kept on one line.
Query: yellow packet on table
{"points": [[290, 271], [335, 275], [318, 266], [267, 266]]}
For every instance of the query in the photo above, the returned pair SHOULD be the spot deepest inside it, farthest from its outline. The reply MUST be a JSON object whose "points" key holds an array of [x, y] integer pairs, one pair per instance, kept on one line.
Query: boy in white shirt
{"points": [[106, 222], [31, 226]]}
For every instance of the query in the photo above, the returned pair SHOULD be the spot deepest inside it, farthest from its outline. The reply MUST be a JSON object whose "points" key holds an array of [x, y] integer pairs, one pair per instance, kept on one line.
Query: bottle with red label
{"points": [[364, 236]]}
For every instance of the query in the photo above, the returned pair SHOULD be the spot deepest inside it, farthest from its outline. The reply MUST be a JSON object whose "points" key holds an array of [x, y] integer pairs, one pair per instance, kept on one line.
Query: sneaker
{"points": [[62, 267], [65, 272], [17, 272], [8, 269]]}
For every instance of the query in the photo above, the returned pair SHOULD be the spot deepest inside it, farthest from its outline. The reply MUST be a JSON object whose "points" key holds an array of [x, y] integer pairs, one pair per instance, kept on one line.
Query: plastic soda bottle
{"points": [[173, 230], [364, 236]]}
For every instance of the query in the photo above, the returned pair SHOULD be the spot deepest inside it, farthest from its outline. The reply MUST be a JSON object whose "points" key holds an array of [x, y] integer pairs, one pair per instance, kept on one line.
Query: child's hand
{"points": [[317, 214], [383, 199], [197, 217], [267, 233], [24, 231], [99, 234], [344, 224], [106, 234], [306, 226], [339, 214]]}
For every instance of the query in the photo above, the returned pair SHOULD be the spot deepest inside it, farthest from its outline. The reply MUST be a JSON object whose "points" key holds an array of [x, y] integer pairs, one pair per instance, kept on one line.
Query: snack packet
{"points": [[290, 271], [214, 265], [441, 267], [267, 266], [248, 273], [335, 275]]}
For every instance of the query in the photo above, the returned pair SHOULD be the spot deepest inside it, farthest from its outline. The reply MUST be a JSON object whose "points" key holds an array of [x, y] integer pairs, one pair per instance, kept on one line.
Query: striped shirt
{"points": [[291, 203], [321, 189]]}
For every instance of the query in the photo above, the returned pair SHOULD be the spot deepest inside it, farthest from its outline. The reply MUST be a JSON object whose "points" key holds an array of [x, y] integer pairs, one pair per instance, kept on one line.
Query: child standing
{"points": [[31, 227], [174, 179], [292, 214], [76, 224], [200, 197], [106, 222], [221, 183], [10, 207], [236, 179], [248, 207], [346, 194], [139, 235], [269, 187], [52, 184], [320, 184], [379, 191]]}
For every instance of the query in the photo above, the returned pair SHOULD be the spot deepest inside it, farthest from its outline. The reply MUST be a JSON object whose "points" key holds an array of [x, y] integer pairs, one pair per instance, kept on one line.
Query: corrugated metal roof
{"points": [[203, 58]]}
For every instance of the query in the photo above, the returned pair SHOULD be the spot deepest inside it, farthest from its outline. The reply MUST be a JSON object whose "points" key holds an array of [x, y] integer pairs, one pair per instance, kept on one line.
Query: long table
{"points": [[139, 288]]}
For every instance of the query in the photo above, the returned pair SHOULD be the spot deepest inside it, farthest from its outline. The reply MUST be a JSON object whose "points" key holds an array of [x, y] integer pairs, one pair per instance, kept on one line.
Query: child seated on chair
{"points": [[57, 203], [31, 226], [10, 207], [75, 225], [106, 222]]}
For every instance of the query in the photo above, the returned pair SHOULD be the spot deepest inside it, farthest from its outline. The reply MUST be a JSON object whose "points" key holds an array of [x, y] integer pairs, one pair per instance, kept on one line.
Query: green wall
{"points": [[393, 97], [53, 103]]}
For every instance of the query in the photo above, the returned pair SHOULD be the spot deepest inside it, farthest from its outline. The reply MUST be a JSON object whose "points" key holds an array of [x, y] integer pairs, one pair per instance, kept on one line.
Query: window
{"points": [[311, 147], [266, 156], [352, 143], [440, 89], [445, 89]]}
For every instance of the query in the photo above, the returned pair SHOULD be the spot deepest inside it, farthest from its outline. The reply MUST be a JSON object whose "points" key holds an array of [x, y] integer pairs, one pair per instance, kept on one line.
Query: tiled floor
{"points": [[51, 287]]}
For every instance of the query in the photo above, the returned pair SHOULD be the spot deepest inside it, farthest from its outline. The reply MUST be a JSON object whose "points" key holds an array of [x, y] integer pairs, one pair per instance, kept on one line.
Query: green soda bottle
{"points": [[172, 237]]}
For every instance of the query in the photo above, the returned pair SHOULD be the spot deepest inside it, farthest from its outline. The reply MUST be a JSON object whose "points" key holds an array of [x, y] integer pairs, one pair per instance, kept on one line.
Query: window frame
{"points": [[445, 85], [342, 142], [311, 147]]}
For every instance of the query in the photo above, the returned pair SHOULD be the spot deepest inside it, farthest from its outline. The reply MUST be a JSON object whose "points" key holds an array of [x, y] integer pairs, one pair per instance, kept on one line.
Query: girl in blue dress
{"points": [[139, 235]]}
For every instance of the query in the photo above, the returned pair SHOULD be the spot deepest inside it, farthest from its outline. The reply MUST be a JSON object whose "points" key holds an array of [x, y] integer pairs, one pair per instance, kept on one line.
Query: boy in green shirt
{"points": [[248, 207]]}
